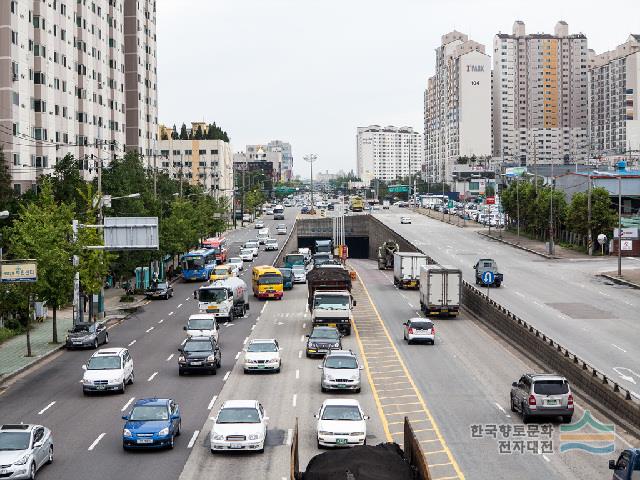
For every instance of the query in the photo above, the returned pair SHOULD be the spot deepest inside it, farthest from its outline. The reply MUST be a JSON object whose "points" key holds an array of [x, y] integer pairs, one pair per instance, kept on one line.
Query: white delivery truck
{"points": [[385, 204], [406, 269], [440, 288], [202, 325], [262, 236], [228, 298]]}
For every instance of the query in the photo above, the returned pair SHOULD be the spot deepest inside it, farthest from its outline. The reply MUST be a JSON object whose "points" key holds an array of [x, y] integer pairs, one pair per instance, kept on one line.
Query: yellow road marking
{"points": [[399, 404], [437, 451], [426, 410], [439, 465]]}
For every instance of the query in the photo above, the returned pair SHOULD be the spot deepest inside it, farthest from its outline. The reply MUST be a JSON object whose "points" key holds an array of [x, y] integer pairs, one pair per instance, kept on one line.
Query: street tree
{"points": [[603, 218]]}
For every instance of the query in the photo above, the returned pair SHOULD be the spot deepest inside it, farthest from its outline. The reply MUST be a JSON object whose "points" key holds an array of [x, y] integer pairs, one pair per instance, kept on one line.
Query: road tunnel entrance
{"points": [[358, 245]]}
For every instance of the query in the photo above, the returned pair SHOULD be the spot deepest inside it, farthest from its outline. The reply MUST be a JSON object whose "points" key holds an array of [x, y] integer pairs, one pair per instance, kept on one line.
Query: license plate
{"points": [[144, 440], [196, 363], [3, 471], [312, 350], [341, 441], [77, 342], [261, 366], [212, 308], [551, 402], [331, 324], [235, 445], [342, 385], [101, 387]]}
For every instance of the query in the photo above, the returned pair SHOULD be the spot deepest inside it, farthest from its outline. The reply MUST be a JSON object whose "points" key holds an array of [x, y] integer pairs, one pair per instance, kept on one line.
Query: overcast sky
{"points": [[311, 71]]}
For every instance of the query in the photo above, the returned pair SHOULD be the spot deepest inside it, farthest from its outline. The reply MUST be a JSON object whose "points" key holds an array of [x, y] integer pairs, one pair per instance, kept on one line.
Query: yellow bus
{"points": [[220, 272], [267, 282]]}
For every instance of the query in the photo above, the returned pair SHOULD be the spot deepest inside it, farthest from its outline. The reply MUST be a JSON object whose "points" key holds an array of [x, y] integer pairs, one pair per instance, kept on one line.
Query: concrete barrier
{"points": [[290, 245]]}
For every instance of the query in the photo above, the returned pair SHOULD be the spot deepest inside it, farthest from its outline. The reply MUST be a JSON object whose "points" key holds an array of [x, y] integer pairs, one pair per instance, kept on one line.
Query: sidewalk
{"points": [[13, 359], [630, 277]]}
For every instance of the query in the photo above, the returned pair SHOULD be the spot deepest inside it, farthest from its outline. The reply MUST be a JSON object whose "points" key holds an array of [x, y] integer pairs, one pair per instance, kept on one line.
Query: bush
{"points": [[7, 333], [127, 298]]}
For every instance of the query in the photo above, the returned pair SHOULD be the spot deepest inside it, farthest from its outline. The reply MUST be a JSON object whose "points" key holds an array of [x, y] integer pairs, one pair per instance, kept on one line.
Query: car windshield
{"points": [[235, 260], [551, 387], [213, 249], [161, 286], [149, 412], [238, 415], [282, 226], [197, 347], [332, 302], [104, 362], [81, 328], [298, 269], [14, 441], [334, 361], [251, 244], [421, 325], [213, 295], [331, 334], [272, 242], [193, 263], [270, 279], [200, 324], [341, 412], [246, 251], [262, 347], [222, 271]]}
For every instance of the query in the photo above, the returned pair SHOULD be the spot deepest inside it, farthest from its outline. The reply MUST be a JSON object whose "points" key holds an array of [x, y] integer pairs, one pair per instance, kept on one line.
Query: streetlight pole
{"points": [[619, 225], [589, 233], [553, 184], [310, 159]]}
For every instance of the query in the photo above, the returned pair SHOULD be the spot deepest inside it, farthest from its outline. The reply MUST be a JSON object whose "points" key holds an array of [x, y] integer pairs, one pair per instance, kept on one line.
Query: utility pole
{"points": [[155, 180], [553, 184], [535, 164], [620, 225], [181, 173], [589, 232]]}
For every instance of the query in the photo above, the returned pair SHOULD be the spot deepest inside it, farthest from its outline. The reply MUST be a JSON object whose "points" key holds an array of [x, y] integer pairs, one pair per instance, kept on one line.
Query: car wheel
{"points": [[131, 378], [525, 417], [123, 387], [172, 442], [178, 432], [95, 344], [50, 457], [32, 471], [513, 405], [214, 371], [106, 338], [357, 390], [320, 447], [322, 389], [180, 372], [567, 418]]}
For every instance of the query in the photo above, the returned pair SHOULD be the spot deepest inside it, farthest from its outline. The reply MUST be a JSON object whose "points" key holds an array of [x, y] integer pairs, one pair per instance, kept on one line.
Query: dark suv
{"points": [[542, 395], [199, 354], [322, 340]]}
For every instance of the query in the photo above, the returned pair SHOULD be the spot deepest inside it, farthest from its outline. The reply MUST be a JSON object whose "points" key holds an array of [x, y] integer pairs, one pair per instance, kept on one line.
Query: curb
{"points": [[619, 281], [520, 247]]}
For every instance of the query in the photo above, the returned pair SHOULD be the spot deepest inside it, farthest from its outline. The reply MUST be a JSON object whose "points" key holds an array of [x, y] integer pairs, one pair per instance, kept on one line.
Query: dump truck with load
{"points": [[329, 297]]}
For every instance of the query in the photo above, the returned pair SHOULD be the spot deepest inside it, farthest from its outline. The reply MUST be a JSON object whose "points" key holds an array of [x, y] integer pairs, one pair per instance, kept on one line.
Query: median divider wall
{"points": [[290, 245]]}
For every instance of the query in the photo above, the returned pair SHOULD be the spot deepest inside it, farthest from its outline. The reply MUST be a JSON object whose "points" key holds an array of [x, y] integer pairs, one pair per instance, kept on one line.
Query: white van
{"points": [[262, 236], [202, 325]]}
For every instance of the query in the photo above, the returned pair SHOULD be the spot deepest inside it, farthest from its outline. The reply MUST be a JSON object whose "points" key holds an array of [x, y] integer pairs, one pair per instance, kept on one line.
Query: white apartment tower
{"points": [[457, 106], [388, 153], [64, 83], [614, 86], [540, 96]]}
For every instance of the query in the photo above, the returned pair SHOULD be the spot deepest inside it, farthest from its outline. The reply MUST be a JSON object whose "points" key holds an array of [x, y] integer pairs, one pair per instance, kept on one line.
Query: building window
{"points": [[214, 152], [39, 78], [14, 37], [16, 159]]}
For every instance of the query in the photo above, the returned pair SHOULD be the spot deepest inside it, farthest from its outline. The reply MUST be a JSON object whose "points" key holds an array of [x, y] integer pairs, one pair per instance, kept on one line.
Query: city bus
{"points": [[198, 264], [267, 282], [219, 247]]}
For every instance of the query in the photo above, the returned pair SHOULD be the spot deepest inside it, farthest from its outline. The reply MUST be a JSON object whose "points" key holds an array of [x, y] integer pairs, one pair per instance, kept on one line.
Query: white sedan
{"points": [[236, 262], [341, 423], [246, 254], [404, 220], [240, 425], [262, 355], [271, 244], [254, 246]]}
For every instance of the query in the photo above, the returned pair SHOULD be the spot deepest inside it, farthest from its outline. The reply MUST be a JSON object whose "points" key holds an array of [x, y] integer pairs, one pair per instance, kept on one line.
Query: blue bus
{"points": [[198, 264]]}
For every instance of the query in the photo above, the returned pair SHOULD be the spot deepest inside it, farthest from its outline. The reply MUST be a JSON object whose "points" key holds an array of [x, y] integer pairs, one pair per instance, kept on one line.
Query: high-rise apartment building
{"points": [[287, 157], [457, 106], [277, 152], [614, 86], [540, 96], [64, 83], [388, 153]]}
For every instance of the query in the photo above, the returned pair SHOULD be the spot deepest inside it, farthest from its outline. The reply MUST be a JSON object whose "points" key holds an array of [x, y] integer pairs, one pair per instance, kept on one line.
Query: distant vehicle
{"points": [[281, 229], [227, 298], [202, 325], [340, 371], [440, 290], [254, 246], [294, 259], [487, 265], [267, 282], [108, 369], [271, 244], [419, 330], [402, 204], [269, 211], [24, 449], [356, 204], [152, 423], [238, 262], [542, 395], [278, 212], [385, 254], [305, 209], [197, 265], [299, 273], [287, 278], [259, 224], [246, 217], [220, 272], [375, 207], [159, 290], [323, 246], [306, 252], [262, 236], [627, 466], [331, 206], [87, 334], [262, 355], [246, 254], [219, 247], [406, 269], [341, 423], [199, 354], [323, 339], [405, 220], [321, 258], [386, 204], [239, 425]]}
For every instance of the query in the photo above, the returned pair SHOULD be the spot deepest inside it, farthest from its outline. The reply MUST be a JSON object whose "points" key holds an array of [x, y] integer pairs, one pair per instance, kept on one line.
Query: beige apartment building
{"points": [[540, 96], [75, 77]]}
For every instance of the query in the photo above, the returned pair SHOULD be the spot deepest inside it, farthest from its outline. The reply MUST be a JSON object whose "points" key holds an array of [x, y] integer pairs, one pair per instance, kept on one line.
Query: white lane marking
{"points": [[602, 293], [229, 324], [411, 306], [187, 299], [619, 348], [297, 374], [546, 458], [245, 340], [500, 407], [96, 441], [238, 355], [289, 438], [295, 399], [299, 353], [153, 375], [263, 307], [252, 327], [226, 376], [519, 294], [170, 357], [170, 313], [126, 405], [179, 305], [304, 325], [258, 319], [149, 329], [46, 408], [192, 442], [161, 320], [302, 338], [213, 400], [132, 343]]}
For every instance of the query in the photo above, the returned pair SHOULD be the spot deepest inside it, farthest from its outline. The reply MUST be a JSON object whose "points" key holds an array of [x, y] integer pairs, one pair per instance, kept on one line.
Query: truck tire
{"points": [[347, 332]]}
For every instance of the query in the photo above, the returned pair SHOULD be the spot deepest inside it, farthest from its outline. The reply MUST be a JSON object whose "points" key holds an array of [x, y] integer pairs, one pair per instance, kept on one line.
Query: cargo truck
{"points": [[228, 298], [333, 308], [331, 277], [406, 269], [323, 246], [440, 288]]}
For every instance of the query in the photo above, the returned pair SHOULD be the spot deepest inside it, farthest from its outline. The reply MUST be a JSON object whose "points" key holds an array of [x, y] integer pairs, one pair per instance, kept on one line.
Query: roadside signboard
{"points": [[626, 245], [399, 188], [488, 278], [131, 233], [490, 200], [627, 232], [18, 271]]}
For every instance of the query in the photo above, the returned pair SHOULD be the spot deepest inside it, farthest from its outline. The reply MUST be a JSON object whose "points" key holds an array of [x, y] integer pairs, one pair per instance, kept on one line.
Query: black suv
{"points": [[323, 339], [199, 354]]}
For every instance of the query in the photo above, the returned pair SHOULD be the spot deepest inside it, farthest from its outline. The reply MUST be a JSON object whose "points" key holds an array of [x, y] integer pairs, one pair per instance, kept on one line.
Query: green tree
{"points": [[174, 133], [43, 232], [67, 182], [184, 135], [198, 135], [490, 191], [603, 218], [6, 190]]}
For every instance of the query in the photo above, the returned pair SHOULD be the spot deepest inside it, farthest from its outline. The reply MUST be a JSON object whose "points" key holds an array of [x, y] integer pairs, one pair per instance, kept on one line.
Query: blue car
{"points": [[287, 278], [152, 423]]}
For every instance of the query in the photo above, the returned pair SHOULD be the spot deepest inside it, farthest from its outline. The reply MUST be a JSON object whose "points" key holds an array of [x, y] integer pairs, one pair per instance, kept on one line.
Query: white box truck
{"points": [[440, 290], [406, 269]]}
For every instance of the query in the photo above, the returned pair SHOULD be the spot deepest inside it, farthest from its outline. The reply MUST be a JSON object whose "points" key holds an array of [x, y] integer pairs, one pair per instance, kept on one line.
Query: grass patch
{"points": [[127, 298], [7, 333]]}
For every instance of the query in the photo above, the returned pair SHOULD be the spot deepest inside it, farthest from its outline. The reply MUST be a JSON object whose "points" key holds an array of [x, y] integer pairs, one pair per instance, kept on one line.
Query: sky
{"points": [[311, 71]]}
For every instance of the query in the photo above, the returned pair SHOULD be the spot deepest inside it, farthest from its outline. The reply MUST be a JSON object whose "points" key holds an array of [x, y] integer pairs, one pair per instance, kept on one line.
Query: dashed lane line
{"points": [[133, 342], [212, 402], [148, 330], [170, 357], [153, 375], [192, 441], [46, 408], [226, 376], [96, 441], [126, 405]]}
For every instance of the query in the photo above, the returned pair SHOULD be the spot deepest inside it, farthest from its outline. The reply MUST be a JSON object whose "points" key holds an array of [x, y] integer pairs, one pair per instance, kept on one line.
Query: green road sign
{"points": [[399, 188]]}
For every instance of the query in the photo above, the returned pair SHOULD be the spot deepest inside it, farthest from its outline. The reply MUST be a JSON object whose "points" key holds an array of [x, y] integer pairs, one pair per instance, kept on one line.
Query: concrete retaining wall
{"points": [[290, 245]]}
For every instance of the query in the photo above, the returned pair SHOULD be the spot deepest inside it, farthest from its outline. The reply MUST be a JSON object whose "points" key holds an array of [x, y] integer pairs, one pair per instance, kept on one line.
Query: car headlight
{"points": [[211, 358], [330, 377], [116, 381], [254, 436], [217, 436], [356, 434], [87, 382], [163, 432], [336, 345], [127, 433], [181, 358], [322, 432], [22, 460]]}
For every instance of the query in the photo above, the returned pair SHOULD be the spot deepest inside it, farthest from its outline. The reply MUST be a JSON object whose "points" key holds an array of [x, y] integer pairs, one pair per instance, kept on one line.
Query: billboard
{"points": [[131, 233], [18, 271], [515, 171]]}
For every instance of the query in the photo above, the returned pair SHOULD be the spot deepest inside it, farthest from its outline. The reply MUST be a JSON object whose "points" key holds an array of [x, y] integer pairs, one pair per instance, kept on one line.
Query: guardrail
{"points": [[606, 394]]}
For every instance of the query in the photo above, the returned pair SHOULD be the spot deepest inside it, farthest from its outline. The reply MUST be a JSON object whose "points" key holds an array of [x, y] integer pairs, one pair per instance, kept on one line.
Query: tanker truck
{"points": [[228, 298]]}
